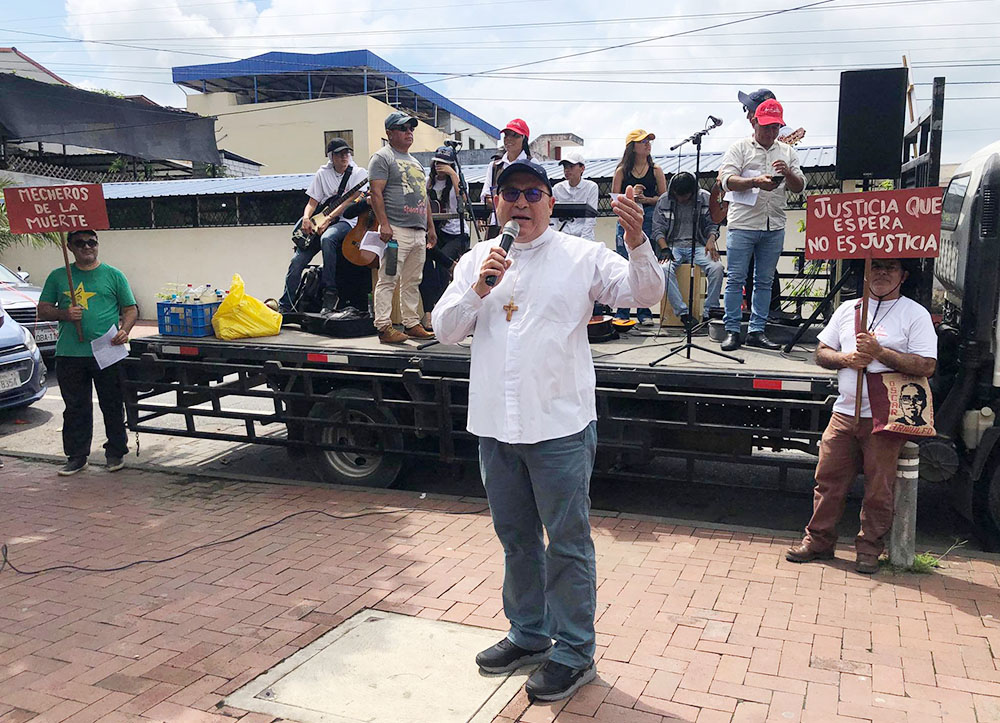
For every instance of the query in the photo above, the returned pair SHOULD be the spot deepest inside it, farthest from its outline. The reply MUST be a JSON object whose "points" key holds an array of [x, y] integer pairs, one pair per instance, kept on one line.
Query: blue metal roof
{"points": [[277, 63], [810, 157]]}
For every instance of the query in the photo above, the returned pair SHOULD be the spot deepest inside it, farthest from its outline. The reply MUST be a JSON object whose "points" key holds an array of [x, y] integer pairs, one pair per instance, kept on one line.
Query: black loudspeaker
{"points": [[870, 124]]}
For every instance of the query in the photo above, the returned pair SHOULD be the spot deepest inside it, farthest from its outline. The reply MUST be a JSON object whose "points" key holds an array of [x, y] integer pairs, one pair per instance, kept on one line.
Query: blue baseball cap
{"points": [[525, 165]]}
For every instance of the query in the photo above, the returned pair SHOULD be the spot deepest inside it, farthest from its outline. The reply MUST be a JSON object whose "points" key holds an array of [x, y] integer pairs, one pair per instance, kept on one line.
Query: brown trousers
{"points": [[844, 448]]}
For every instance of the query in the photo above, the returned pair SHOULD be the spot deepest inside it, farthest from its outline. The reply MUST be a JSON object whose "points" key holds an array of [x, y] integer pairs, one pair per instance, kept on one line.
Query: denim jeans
{"points": [[714, 270], [647, 228], [549, 593], [765, 247], [330, 242]]}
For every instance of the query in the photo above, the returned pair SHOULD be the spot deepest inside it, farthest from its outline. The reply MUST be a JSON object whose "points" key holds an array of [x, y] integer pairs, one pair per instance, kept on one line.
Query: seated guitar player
{"points": [[328, 187]]}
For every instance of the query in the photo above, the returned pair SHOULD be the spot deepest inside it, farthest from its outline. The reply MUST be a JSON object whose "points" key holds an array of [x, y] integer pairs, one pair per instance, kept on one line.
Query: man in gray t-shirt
{"points": [[399, 200]]}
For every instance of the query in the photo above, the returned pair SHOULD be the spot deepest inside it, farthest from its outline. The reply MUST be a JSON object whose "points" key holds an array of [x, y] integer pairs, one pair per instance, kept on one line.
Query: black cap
{"points": [[336, 145], [528, 166], [754, 98], [444, 154]]}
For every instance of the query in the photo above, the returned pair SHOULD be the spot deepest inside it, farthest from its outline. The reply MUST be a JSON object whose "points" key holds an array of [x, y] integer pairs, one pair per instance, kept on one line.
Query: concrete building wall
{"points": [[288, 137]]}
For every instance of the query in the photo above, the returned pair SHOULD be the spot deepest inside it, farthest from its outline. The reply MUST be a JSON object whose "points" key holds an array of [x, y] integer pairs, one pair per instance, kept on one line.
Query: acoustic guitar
{"points": [[352, 242], [330, 209]]}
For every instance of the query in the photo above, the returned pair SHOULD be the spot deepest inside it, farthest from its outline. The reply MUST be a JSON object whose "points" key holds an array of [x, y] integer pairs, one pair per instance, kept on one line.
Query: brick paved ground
{"points": [[694, 624]]}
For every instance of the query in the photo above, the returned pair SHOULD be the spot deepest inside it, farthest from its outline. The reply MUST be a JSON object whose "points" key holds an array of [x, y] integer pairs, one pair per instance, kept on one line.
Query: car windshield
{"points": [[9, 277]]}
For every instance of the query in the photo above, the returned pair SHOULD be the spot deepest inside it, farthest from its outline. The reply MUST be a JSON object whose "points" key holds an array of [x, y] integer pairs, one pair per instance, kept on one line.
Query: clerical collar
{"points": [[540, 241]]}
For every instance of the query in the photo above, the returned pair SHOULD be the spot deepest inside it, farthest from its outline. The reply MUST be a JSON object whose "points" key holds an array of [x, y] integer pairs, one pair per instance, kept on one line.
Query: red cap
{"points": [[518, 126], [769, 112]]}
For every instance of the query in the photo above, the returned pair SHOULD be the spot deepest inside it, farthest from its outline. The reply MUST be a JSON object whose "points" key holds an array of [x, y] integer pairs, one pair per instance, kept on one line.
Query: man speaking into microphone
{"points": [[532, 405]]}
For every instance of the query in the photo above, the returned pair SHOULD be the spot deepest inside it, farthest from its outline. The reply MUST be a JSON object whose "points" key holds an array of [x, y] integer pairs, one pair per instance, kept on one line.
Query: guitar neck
{"points": [[333, 204]]}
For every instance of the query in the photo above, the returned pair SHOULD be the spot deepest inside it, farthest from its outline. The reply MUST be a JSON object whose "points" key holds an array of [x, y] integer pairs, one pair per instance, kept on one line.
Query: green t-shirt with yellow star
{"points": [[102, 292]]}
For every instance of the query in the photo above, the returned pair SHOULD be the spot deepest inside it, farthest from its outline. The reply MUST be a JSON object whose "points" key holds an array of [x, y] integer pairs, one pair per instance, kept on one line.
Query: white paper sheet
{"points": [[747, 198], [106, 353], [374, 243]]}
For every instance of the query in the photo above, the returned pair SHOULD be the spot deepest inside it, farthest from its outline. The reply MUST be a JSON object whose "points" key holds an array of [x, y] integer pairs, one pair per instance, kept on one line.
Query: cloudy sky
{"points": [[681, 61]]}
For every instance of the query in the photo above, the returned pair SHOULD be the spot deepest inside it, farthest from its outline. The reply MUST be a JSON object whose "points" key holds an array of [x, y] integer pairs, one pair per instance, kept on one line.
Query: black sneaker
{"points": [[73, 465], [115, 463], [555, 681], [505, 657]]}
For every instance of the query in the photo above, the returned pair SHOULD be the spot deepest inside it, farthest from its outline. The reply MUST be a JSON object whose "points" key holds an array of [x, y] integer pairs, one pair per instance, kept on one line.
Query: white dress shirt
{"points": [[583, 192], [747, 158], [532, 378], [326, 183]]}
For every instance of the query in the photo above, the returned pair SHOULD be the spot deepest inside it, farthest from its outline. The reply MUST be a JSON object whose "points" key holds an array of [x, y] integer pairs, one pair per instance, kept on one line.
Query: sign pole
{"points": [[864, 321], [72, 289]]}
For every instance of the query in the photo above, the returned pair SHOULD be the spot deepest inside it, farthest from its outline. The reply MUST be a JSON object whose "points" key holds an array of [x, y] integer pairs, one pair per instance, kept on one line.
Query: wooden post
{"points": [[72, 289], [864, 321], [902, 536]]}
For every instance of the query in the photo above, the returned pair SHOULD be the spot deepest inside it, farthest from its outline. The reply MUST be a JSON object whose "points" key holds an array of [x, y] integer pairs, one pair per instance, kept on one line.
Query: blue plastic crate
{"points": [[185, 319]]}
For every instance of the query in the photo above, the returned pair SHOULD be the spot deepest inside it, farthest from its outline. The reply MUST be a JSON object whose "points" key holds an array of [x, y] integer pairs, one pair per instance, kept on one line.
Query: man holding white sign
{"points": [[756, 171], [101, 298], [898, 335]]}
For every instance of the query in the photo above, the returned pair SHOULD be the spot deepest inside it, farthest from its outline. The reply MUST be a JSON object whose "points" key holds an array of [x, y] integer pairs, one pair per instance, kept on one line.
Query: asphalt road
{"points": [[712, 499]]}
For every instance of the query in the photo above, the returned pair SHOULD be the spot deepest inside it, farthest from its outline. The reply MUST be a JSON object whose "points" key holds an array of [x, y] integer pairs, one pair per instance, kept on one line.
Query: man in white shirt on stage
{"points": [[532, 403], [576, 189]]}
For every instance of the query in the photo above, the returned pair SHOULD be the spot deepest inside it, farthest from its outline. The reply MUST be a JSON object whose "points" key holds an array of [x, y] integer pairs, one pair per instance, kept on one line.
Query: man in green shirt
{"points": [[103, 300]]}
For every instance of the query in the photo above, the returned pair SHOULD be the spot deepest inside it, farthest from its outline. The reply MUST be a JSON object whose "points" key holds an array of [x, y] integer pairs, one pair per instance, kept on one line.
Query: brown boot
{"points": [[866, 564], [392, 335], [804, 553], [418, 332]]}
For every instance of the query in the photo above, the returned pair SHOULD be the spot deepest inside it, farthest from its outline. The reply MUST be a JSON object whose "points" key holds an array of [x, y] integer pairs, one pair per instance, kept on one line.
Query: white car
{"points": [[20, 300]]}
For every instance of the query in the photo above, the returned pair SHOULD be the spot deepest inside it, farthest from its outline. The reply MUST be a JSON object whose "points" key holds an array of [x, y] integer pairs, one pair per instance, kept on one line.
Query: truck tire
{"points": [[355, 468], [986, 506]]}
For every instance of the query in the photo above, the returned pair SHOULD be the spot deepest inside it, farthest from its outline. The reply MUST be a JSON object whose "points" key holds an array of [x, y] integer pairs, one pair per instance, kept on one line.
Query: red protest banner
{"points": [[40, 209], [878, 225]]}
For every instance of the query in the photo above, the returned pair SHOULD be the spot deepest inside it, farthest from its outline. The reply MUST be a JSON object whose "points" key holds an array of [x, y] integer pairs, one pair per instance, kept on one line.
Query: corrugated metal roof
{"points": [[276, 63], [208, 186], [596, 169]]}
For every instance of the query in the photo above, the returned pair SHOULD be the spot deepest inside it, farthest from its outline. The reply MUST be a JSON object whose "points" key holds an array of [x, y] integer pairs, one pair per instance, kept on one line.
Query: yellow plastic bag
{"points": [[241, 316]]}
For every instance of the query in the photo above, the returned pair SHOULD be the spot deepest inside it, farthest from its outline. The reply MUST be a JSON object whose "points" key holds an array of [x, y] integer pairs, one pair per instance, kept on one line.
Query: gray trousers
{"points": [[549, 593]]}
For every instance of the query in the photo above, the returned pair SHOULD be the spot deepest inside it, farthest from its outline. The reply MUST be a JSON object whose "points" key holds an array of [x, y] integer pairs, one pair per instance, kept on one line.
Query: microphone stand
{"points": [[463, 188], [688, 345]]}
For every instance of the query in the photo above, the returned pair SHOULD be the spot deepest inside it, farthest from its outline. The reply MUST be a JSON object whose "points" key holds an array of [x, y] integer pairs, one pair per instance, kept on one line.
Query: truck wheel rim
{"points": [[356, 465]]}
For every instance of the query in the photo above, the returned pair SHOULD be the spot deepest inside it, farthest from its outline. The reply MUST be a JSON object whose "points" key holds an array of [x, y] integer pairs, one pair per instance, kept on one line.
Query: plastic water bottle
{"points": [[207, 295], [391, 257]]}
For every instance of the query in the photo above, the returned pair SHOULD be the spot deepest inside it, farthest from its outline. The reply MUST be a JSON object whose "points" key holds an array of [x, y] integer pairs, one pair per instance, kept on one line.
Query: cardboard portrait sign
{"points": [[901, 404]]}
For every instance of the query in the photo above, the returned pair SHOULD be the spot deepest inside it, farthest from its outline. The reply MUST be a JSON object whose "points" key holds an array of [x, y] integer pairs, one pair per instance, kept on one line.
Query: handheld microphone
{"points": [[510, 231], [716, 122]]}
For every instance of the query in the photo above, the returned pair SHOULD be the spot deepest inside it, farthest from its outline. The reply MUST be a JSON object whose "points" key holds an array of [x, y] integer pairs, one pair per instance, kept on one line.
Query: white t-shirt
{"points": [[326, 183], [451, 226], [584, 192], [902, 325]]}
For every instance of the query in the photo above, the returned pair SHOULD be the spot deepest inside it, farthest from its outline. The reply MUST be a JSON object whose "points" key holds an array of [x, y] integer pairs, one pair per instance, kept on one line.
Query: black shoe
{"points": [[115, 463], [688, 321], [731, 342], [505, 657], [555, 681], [757, 339], [330, 301], [73, 465]]}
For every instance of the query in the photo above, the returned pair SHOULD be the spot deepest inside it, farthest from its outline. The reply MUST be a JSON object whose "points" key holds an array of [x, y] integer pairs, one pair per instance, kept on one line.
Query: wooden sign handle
{"points": [[864, 321], [72, 289]]}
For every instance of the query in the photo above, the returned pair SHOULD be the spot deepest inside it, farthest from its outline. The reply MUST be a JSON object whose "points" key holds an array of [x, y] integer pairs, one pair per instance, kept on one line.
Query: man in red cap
{"points": [[757, 170], [515, 148]]}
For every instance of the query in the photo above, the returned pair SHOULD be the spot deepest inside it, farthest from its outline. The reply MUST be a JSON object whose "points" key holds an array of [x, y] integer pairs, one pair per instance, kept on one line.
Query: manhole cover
{"points": [[381, 667]]}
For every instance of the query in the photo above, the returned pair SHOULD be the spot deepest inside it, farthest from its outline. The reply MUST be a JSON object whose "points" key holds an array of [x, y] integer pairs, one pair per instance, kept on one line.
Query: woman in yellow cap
{"points": [[638, 169]]}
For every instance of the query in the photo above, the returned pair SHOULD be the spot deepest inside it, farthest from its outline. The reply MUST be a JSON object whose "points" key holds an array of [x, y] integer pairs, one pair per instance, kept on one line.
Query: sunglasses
{"points": [[531, 195], [91, 242]]}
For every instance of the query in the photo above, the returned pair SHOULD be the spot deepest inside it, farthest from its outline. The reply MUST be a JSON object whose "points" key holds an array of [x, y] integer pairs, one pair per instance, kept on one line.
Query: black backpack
{"points": [[309, 298]]}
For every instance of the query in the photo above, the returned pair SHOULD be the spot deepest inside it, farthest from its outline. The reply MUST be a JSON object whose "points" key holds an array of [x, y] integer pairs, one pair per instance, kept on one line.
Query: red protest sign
{"points": [[878, 225], [40, 209]]}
